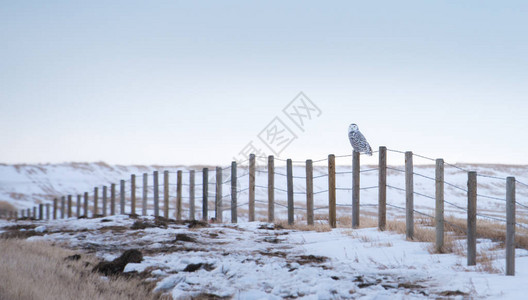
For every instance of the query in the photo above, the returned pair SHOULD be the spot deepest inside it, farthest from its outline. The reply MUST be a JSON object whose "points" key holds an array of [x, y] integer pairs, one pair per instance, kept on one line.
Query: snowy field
{"points": [[24, 186], [258, 261]]}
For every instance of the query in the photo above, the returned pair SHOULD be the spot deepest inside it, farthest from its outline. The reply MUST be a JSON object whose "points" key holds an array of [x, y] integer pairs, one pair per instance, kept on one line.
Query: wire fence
{"points": [[124, 190]]}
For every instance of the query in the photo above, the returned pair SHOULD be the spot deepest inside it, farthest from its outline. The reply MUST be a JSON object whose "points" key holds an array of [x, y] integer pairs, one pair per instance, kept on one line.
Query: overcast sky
{"points": [[171, 82]]}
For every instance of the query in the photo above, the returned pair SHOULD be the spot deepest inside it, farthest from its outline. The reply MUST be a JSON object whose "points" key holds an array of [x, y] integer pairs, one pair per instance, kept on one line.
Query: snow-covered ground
{"points": [[259, 261], [255, 261]]}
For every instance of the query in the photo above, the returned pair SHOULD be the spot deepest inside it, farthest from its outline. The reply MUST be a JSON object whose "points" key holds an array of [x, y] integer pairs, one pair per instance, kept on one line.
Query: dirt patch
{"points": [[271, 227], [410, 286], [452, 293], [308, 259], [114, 229], [197, 224], [143, 224], [274, 254], [172, 249]]}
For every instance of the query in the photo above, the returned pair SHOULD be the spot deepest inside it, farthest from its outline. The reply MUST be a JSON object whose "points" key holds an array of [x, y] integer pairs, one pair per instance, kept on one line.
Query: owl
{"points": [[358, 141]]}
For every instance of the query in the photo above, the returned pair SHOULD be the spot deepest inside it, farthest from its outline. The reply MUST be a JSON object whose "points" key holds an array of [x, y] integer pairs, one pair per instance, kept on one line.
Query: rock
{"points": [[184, 238], [117, 266], [195, 267]]}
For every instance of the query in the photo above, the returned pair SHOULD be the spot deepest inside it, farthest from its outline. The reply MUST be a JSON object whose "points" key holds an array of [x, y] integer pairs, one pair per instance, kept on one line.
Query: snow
{"points": [[250, 261], [255, 260]]}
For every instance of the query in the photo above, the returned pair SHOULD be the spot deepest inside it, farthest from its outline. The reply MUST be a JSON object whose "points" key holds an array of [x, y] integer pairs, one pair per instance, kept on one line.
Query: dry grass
{"points": [[318, 227], [35, 270], [485, 263], [494, 231], [6, 207]]}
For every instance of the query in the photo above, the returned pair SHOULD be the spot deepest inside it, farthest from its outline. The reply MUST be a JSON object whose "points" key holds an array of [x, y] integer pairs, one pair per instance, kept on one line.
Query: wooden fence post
{"points": [[105, 200], [166, 194], [409, 195], [191, 195], [55, 206], [122, 197], [289, 179], [133, 194], [472, 219], [63, 207], [382, 188], [96, 199], [309, 192], [205, 193], [234, 217], [41, 211], [112, 198], [331, 191], [355, 189], [179, 195], [29, 212], [47, 211], [510, 226], [218, 201], [156, 193], [69, 206], [251, 191], [439, 215], [35, 217], [78, 207], [86, 204], [144, 202], [271, 189]]}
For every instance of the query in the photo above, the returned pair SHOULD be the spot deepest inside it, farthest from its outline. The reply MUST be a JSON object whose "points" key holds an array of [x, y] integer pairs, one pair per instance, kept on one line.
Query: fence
{"points": [[151, 196]]}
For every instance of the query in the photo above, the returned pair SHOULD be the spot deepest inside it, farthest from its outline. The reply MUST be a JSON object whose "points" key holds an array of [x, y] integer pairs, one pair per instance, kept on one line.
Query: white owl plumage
{"points": [[358, 141]]}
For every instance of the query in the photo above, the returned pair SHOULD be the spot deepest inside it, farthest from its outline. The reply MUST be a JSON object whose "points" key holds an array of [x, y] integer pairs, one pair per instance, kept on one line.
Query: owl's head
{"points": [[353, 127]]}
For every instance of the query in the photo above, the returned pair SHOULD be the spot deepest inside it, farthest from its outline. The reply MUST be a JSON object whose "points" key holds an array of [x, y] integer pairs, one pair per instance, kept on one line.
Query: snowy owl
{"points": [[358, 141]]}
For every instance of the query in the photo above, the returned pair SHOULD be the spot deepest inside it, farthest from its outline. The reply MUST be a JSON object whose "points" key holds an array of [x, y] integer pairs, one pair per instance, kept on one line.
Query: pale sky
{"points": [[171, 82]]}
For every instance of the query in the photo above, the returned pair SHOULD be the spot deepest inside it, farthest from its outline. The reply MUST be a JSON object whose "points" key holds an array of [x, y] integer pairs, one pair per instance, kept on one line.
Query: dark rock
{"points": [[196, 267], [117, 266], [184, 238], [105, 220]]}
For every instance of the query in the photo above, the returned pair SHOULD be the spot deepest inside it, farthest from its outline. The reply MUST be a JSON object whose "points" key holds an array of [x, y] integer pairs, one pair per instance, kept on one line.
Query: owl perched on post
{"points": [[357, 140]]}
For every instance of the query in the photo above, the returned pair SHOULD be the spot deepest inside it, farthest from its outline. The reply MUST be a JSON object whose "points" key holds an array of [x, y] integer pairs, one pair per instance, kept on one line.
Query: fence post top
{"points": [[440, 160], [382, 148]]}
